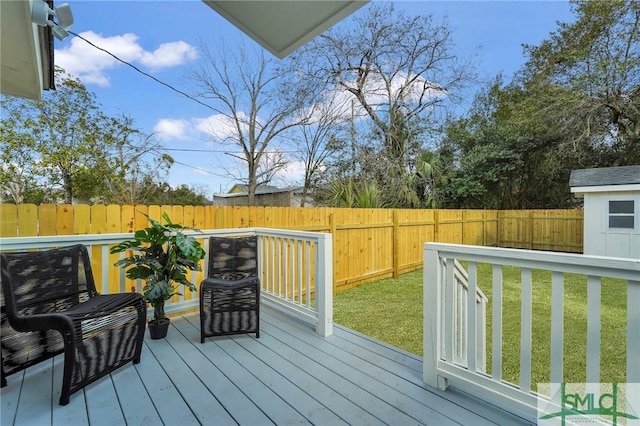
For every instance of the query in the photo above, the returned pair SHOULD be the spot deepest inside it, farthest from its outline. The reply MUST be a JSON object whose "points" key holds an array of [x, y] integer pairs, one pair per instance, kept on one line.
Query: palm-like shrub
{"points": [[161, 255]]}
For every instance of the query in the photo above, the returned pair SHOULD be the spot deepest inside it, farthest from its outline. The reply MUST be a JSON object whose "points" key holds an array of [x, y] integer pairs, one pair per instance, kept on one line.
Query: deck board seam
{"points": [[324, 384], [216, 342], [434, 395], [329, 349], [365, 407]]}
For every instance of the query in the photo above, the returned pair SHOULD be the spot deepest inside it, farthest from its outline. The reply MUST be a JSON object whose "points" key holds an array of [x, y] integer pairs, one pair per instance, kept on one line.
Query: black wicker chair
{"points": [[50, 305], [230, 295]]}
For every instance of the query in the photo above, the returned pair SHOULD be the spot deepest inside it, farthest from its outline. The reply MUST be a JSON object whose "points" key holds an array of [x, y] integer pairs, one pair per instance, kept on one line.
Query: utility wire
{"points": [[171, 88], [217, 151], [144, 73], [196, 168]]}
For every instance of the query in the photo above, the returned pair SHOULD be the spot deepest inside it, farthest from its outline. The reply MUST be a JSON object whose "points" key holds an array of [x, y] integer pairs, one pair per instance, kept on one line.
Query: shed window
{"points": [[622, 214]]}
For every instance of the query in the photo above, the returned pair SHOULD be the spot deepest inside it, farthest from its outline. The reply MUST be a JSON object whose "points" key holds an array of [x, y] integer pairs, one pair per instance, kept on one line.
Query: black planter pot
{"points": [[158, 330]]}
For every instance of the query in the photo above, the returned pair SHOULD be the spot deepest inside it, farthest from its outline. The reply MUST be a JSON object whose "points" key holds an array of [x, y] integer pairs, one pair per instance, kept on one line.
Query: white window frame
{"points": [[633, 214]]}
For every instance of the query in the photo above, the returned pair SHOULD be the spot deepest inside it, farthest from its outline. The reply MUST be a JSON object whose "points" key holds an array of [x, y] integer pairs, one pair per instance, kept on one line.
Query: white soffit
{"points": [[632, 187], [20, 55], [281, 26]]}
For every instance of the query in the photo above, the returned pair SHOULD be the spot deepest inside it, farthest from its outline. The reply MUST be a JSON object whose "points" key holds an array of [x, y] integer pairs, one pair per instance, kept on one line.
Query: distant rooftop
{"points": [[625, 175], [243, 190]]}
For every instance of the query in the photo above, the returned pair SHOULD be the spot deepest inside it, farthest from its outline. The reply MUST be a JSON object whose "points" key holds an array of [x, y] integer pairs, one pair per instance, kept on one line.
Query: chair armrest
{"points": [[37, 322], [231, 278]]}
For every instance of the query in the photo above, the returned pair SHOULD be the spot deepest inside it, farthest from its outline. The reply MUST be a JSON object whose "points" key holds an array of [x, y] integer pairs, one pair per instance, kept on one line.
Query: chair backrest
{"points": [[233, 254], [38, 282], [45, 281]]}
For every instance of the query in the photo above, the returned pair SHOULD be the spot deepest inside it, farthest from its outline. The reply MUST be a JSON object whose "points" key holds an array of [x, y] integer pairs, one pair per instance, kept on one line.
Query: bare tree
{"points": [[321, 137], [397, 67], [253, 98]]}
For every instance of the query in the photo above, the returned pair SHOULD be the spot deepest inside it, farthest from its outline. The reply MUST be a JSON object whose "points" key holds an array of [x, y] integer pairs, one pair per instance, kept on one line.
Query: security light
{"points": [[60, 18]]}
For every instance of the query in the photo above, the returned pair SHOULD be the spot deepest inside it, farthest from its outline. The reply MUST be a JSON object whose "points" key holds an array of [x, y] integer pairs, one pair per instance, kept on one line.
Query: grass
{"points": [[391, 310]]}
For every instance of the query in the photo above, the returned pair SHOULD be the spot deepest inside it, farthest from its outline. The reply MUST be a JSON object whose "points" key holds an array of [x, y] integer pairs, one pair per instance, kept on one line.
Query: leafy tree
{"points": [[575, 104], [65, 148], [491, 159], [17, 172], [427, 177], [585, 80], [63, 131], [185, 195], [161, 193], [349, 194]]}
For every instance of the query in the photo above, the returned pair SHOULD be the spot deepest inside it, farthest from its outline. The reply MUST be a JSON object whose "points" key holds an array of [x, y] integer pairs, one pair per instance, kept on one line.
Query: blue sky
{"points": [[162, 38]]}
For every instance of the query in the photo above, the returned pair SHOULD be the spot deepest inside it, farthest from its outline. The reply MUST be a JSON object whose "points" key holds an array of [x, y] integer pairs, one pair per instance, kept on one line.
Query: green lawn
{"points": [[391, 311]]}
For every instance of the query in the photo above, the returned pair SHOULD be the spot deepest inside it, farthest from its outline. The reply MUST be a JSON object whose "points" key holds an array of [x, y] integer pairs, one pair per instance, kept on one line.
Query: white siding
{"points": [[599, 239]]}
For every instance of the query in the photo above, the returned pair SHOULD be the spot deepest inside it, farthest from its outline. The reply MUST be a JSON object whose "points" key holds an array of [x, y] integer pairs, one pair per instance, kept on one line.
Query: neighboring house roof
{"points": [[605, 178], [262, 189], [242, 191]]}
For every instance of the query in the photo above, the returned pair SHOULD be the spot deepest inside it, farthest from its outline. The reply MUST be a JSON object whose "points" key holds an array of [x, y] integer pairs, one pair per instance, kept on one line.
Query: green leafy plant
{"points": [[161, 255]]}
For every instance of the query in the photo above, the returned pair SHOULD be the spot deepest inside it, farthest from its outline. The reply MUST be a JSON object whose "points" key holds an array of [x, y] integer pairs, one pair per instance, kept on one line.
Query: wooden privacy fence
{"points": [[368, 244]]}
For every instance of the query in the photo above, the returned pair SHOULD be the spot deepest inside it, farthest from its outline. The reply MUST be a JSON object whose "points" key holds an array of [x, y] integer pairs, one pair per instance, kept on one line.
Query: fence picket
{"points": [[368, 244]]}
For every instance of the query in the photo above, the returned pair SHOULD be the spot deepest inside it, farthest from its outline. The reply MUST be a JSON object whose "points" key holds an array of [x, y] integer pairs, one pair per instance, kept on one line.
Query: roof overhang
{"points": [[579, 191], [26, 52], [282, 26]]}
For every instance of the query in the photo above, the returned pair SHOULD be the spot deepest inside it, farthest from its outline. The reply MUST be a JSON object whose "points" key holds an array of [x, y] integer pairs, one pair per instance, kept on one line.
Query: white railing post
{"points": [[431, 304], [441, 366], [633, 331], [324, 285]]}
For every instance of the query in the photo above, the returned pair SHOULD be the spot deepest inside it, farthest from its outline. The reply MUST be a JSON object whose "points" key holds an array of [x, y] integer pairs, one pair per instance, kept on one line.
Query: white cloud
{"points": [[293, 172], [219, 126], [169, 55], [81, 59], [168, 128], [377, 93]]}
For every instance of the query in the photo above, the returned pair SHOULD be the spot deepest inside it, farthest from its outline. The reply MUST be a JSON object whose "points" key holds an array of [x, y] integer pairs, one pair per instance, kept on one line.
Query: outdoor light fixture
{"points": [[43, 15]]}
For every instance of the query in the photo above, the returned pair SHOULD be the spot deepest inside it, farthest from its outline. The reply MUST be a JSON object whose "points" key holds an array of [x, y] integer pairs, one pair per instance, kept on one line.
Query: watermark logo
{"points": [[589, 404]]}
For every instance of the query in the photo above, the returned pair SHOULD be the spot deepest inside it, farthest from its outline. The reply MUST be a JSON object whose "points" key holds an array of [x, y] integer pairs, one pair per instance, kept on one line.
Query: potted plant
{"points": [[161, 255]]}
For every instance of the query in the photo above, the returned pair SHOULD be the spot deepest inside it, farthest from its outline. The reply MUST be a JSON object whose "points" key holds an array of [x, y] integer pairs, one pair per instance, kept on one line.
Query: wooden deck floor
{"points": [[288, 376]]}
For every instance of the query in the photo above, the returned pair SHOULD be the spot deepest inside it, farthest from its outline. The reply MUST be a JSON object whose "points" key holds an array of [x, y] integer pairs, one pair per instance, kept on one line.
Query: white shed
{"points": [[611, 209]]}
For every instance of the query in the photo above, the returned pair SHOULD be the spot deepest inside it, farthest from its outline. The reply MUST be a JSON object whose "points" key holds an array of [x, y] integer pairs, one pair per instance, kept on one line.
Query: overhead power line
{"points": [[217, 151], [180, 92], [186, 95]]}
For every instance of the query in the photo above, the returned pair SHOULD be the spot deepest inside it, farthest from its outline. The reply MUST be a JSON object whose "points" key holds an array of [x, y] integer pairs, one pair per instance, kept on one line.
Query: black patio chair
{"points": [[230, 295], [50, 306]]}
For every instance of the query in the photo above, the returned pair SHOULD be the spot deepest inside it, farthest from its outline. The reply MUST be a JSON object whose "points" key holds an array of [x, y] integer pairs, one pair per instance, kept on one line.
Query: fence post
{"points": [[324, 285], [396, 244], [484, 228], [498, 229], [431, 295], [530, 229], [464, 223]]}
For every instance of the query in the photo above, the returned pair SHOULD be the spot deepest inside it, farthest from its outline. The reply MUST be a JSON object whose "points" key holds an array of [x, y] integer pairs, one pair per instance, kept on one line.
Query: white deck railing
{"points": [[295, 269], [441, 365], [460, 312]]}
